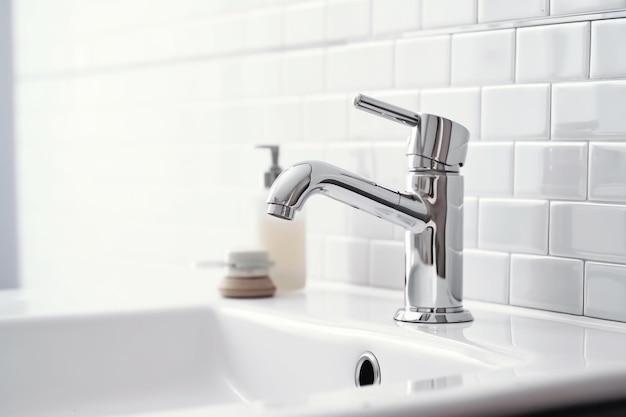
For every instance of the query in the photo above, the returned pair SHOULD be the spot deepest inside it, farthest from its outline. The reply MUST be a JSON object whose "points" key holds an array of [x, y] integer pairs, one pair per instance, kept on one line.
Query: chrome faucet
{"points": [[431, 210]]}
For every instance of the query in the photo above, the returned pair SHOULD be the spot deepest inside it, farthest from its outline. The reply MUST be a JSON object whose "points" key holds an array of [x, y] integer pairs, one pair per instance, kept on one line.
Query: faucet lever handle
{"points": [[436, 143], [386, 110]]}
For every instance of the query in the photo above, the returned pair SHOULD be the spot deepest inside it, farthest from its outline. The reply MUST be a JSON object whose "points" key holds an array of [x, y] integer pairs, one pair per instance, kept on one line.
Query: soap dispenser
{"points": [[285, 241]]}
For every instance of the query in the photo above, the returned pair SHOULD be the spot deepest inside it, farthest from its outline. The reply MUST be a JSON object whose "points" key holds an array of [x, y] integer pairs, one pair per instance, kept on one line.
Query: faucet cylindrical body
{"points": [[434, 257]]}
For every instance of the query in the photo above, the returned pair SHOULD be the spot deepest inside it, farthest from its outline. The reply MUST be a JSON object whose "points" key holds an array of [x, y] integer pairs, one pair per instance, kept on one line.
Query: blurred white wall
{"points": [[137, 120]]}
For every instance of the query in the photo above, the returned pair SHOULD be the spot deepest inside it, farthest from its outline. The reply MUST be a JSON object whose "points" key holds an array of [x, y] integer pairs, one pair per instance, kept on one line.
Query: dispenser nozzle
{"points": [[274, 170]]}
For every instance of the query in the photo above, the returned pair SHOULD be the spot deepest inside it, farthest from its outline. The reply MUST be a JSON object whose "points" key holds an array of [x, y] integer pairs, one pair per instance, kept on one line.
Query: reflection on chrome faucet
{"points": [[431, 210]]}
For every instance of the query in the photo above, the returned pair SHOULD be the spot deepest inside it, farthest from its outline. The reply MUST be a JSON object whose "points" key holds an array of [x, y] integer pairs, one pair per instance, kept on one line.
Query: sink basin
{"points": [[102, 364], [294, 354]]}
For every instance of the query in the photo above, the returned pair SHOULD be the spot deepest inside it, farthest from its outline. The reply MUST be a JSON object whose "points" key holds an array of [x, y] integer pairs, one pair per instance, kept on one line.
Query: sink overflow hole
{"points": [[367, 370]]}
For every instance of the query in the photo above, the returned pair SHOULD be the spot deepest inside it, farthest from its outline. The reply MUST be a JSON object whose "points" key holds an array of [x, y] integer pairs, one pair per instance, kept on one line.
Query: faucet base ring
{"points": [[434, 316]]}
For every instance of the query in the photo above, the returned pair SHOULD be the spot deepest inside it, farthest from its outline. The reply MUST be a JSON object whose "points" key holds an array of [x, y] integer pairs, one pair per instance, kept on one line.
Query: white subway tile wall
{"points": [[470, 222], [607, 172], [360, 66], [346, 260], [137, 121], [483, 159], [305, 22], [547, 283], [551, 170], [486, 275], [502, 10], [516, 112], [553, 52], [394, 16], [481, 58], [387, 264], [561, 7], [410, 70], [589, 111], [513, 225], [588, 231], [605, 287], [607, 61], [440, 13], [357, 12]]}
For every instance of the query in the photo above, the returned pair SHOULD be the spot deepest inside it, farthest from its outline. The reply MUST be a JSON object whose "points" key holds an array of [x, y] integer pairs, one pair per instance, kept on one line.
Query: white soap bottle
{"points": [[283, 239]]}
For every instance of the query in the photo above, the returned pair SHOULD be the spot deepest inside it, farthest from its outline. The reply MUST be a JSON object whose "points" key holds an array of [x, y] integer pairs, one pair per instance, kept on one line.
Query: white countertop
{"points": [[553, 359]]}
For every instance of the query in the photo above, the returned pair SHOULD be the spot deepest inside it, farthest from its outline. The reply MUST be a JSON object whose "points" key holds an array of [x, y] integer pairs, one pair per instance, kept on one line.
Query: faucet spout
{"points": [[297, 183]]}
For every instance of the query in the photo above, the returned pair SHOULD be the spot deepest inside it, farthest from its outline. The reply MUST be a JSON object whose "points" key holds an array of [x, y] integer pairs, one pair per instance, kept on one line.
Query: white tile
{"points": [[488, 170], [486, 276], [553, 52], [325, 217], [360, 224], [230, 6], [607, 172], [592, 110], [387, 264], [264, 28], [348, 19], [227, 33], [261, 75], [605, 288], [399, 233], [516, 112], [395, 16], [495, 10], [314, 257], [551, 170], [228, 114], [291, 153], [360, 67], [168, 41], [282, 121], [202, 81], [390, 164], [305, 23], [202, 31], [606, 59], [410, 70], [202, 7], [513, 225], [343, 260], [368, 126], [547, 283], [439, 13], [560, 7], [588, 231], [459, 104], [470, 222], [325, 118], [483, 58], [303, 72], [352, 156]]}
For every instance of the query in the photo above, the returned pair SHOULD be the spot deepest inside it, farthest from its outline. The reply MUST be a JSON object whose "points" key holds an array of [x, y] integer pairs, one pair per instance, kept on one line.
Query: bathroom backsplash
{"points": [[136, 122]]}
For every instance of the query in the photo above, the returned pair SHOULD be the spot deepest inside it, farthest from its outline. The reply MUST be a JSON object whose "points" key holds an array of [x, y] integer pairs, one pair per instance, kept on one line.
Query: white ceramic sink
{"points": [[293, 355]]}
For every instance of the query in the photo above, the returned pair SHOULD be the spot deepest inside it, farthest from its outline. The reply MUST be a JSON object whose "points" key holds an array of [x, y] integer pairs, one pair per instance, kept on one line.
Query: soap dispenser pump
{"points": [[274, 170], [285, 241]]}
